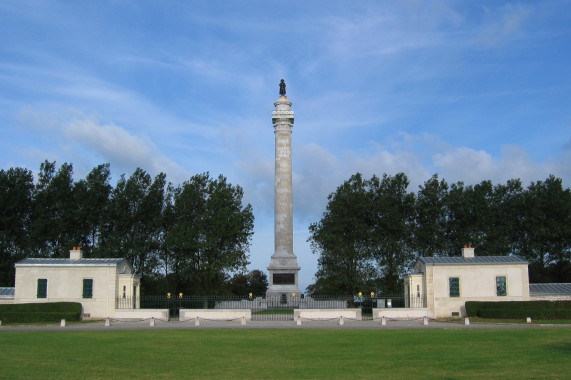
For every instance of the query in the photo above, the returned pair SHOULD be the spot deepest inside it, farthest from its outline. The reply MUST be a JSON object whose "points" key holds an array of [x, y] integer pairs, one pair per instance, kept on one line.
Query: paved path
{"points": [[236, 324]]}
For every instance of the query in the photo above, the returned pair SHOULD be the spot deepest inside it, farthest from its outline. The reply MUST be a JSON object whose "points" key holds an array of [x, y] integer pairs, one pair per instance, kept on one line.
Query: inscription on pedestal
{"points": [[284, 279]]}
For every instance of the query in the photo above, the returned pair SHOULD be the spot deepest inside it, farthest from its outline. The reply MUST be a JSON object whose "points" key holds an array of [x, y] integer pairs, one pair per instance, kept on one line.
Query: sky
{"points": [[470, 90]]}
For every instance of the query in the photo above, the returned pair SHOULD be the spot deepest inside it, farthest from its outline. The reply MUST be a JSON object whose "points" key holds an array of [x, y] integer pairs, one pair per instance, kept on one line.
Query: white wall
{"points": [[477, 283], [65, 284]]}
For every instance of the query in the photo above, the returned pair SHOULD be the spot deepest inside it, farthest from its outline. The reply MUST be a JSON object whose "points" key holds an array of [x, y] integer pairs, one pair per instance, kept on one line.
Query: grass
{"points": [[287, 353]]}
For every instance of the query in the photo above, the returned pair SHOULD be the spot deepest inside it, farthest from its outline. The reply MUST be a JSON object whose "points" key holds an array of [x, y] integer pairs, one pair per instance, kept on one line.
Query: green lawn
{"points": [[288, 353]]}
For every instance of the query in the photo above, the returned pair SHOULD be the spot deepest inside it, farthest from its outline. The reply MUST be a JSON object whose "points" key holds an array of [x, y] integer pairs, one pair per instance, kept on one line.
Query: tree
{"points": [[92, 195], [430, 220], [181, 256], [54, 211], [16, 191], [255, 282], [258, 283], [545, 240], [502, 226], [341, 239], [134, 222], [392, 221], [210, 234]]}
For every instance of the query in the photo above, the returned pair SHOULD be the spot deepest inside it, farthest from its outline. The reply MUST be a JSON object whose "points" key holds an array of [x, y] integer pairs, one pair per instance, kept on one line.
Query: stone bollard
{"points": [[243, 322], [107, 322], [528, 320], [152, 321], [197, 322], [298, 322], [62, 323], [383, 321], [341, 321], [0, 323], [425, 321], [467, 321]]}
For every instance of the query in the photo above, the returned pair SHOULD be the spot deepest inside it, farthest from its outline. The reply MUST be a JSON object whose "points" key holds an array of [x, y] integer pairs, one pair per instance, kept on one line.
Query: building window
{"points": [[87, 288], [454, 286], [501, 290], [42, 288]]}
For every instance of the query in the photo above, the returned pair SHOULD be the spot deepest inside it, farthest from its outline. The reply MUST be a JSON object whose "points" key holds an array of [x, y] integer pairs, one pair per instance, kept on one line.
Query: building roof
{"points": [[478, 260], [550, 289], [7, 292], [33, 261]]}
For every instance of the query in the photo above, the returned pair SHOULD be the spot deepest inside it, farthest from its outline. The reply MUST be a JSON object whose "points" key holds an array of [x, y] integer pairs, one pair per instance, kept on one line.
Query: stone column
{"points": [[283, 265]]}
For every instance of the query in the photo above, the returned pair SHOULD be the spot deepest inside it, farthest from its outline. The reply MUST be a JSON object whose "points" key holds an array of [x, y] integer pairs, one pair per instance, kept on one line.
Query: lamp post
{"points": [[372, 300], [169, 302]]}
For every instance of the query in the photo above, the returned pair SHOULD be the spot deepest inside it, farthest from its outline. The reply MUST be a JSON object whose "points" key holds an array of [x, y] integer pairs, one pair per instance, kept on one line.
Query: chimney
{"points": [[76, 253], [468, 251]]}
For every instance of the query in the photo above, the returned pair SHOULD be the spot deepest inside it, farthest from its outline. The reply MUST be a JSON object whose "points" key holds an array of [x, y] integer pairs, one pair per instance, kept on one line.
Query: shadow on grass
{"points": [[564, 347]]}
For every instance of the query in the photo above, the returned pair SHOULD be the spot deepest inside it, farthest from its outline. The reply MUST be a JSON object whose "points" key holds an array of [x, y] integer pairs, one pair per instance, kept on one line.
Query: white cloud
{"points": [[75, 136], [464, 164], [318, 171], [471, 166]]}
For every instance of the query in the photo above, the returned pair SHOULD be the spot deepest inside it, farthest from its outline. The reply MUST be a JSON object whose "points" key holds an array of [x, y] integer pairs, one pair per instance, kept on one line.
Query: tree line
{"points": [[187, 238], [373, 229]]}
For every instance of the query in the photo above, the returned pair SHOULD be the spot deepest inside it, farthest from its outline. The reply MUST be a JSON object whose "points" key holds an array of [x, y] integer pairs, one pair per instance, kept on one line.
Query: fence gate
{"points": [[274, 308]]}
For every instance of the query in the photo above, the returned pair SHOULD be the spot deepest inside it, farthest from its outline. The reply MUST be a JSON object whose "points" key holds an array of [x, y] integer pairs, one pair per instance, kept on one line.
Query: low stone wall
{"points": [[215, 314], [141, 314], [402, 313], [327, 313]]}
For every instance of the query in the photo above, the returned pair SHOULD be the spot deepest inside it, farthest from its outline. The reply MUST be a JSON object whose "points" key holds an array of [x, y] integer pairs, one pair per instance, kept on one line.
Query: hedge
{"points": [[40, 312], [520, 309]]}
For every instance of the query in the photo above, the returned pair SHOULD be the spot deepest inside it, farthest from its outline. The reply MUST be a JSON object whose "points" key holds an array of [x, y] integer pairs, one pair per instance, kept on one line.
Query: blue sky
{"points": [[471, 90]]}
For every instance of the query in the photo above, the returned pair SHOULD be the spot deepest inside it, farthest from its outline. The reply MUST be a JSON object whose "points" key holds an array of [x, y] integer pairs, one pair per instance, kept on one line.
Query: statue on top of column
{"points": [[282, 88]]}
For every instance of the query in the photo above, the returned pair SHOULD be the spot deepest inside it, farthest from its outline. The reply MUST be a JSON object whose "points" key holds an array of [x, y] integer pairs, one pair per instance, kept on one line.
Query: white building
{"points": [[444, 284], [95, 283]]}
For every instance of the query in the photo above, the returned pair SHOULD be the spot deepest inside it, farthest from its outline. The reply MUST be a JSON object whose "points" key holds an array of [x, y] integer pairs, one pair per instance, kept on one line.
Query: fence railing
{"points": [[266, 303], [268, 308]]}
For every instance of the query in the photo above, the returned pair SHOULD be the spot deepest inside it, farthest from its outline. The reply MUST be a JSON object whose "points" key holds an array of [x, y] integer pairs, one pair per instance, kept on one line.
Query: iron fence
{"points": [[267, 308]]}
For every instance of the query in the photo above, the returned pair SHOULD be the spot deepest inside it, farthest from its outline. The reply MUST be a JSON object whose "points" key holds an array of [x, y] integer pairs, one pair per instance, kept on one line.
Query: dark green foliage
{"points": [[363, 238], [520, 309], [16, 195], [208, 236], [343, 240], [186, 238], [546, 231], [40, 312], [430, 220], [255, 282], [54, 213], [373, 229]]}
